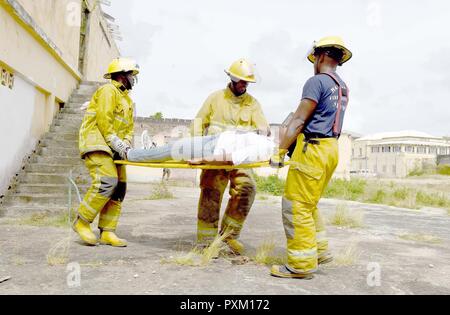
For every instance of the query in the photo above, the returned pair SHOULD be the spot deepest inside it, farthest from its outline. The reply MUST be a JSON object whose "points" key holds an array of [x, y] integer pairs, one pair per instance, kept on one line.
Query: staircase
{"points": [[42, 184]]}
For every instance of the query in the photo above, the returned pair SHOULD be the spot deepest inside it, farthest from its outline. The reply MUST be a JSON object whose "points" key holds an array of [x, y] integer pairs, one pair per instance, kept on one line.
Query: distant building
{"points": [[396, 154]]}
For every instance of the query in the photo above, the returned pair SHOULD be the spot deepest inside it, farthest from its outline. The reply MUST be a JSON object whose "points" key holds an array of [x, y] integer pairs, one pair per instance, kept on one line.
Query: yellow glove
{"points": [[277, 160]]}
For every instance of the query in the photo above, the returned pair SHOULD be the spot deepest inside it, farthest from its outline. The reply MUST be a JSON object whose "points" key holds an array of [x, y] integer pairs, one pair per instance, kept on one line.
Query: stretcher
{"points": [[184, 165]]}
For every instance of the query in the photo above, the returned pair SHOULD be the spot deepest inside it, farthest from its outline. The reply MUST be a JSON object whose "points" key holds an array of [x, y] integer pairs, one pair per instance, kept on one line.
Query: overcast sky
{"points": [[399, 77]]}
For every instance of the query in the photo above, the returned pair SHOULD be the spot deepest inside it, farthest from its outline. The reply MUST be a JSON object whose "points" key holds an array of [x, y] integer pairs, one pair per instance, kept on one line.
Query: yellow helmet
{"points": [[122, 65], [331, 41], [242, 70]]}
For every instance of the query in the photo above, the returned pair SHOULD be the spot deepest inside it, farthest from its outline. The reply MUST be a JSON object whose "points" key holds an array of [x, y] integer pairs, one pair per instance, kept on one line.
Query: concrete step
{"points": [[78, 116], [73, 160], [58, 152], [21, 210], [72, 110], [73, 136], [74, 98], [38, 199], [47, 178], [64, 129], [79, 169], [49, 143], [85, 93], [49, 189], [92, 83], [68, 122]]}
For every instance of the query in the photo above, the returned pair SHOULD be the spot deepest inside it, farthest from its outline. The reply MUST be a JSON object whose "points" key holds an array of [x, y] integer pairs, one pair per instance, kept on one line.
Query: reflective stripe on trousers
{"points": [[308, 177], [242, 191], [106, 193]]}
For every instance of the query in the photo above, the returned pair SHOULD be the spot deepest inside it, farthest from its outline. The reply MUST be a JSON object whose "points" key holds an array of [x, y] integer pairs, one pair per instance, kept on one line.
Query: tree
{"points": [[157, 116]]}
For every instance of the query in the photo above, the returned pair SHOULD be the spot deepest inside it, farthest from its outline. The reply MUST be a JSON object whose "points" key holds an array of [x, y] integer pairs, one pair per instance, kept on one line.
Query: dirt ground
{"points": [[385, 256]]}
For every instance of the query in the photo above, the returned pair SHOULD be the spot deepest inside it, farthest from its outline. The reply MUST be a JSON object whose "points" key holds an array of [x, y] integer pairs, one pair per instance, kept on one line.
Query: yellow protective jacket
{"points": [[110, 113], [223, 110]]}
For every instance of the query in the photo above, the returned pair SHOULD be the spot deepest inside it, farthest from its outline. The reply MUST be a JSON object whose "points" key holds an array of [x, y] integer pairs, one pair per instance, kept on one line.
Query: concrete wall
{"points": [[60, 20], [101, 47], [345, 156]]}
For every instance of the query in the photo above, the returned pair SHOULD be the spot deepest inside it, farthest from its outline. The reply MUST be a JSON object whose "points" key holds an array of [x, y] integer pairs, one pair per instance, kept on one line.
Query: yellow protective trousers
{"points": [[242, 191], [106, 193], [310, 172]]}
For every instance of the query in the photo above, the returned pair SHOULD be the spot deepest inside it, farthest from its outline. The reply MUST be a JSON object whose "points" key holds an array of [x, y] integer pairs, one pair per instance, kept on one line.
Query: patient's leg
{"points": [[185, 149], [158, 154]]}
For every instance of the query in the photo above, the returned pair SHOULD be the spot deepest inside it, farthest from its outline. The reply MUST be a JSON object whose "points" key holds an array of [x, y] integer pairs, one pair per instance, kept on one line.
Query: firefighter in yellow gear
{"points": [[106, 134], [312, 139], [231, 108]]}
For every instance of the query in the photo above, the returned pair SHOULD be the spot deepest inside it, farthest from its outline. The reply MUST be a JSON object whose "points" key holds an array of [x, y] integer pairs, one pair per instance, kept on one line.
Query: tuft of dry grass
{"points": [[421, 238], [264, 255], [344, 217], [200, 257], [59, 253], [347, 256], [160, 192]]}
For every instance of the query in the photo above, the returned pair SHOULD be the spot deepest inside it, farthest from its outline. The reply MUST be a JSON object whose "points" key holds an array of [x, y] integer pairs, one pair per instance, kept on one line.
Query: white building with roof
{"points": [[396, 154]]}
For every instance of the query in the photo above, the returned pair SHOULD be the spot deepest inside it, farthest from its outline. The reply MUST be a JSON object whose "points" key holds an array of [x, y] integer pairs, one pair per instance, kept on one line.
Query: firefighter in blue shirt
{"points": [[313, 133]]}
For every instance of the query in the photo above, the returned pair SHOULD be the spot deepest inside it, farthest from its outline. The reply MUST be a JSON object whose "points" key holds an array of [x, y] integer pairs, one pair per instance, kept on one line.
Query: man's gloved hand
{"points": [[120, 147], [277, 160]]}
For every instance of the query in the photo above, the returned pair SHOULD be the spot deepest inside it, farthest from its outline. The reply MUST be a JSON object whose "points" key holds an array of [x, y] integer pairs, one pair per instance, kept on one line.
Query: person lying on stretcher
{"points": [[227, 148]]}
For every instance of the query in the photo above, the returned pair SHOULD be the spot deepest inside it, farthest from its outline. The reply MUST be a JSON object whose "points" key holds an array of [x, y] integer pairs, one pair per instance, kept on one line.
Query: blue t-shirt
{"points": [[325, 91]]}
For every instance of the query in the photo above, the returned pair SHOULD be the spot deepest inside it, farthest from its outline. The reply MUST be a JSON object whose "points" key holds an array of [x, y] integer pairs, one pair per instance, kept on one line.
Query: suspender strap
{"points": [[337, 123]]}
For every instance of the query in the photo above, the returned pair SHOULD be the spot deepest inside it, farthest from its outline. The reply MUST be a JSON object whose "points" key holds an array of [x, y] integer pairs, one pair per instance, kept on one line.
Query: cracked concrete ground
{"points": [[157, 230]]}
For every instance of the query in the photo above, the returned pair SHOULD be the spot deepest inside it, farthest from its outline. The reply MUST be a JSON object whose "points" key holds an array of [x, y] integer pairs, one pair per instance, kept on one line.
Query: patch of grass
{"points": [[444, 170], [417, 172], [46, 219], [262, 197], [421, 238], [379, 197], [345, 189], [344, 217], [347, 256], [264, 255], [432, 199], [271, 185], [200, 257], [59, 253], [392, 194], [160, 192]]}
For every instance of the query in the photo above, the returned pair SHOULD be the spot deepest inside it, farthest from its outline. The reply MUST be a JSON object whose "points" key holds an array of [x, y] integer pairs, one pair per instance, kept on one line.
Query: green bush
{"points": [[432, 200], [401, 193], [378, 197], [416, 172], [271, 185], [444, 170]]}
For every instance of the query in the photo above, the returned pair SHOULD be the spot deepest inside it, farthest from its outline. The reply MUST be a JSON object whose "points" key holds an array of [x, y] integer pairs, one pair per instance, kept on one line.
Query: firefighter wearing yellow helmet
{"points": [[106, 134], [231, 108], [312, 139]]}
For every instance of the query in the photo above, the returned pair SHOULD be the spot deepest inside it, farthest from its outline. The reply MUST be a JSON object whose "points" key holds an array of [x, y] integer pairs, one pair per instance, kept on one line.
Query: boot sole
{"points": [[291, 275], [108, 244]]}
